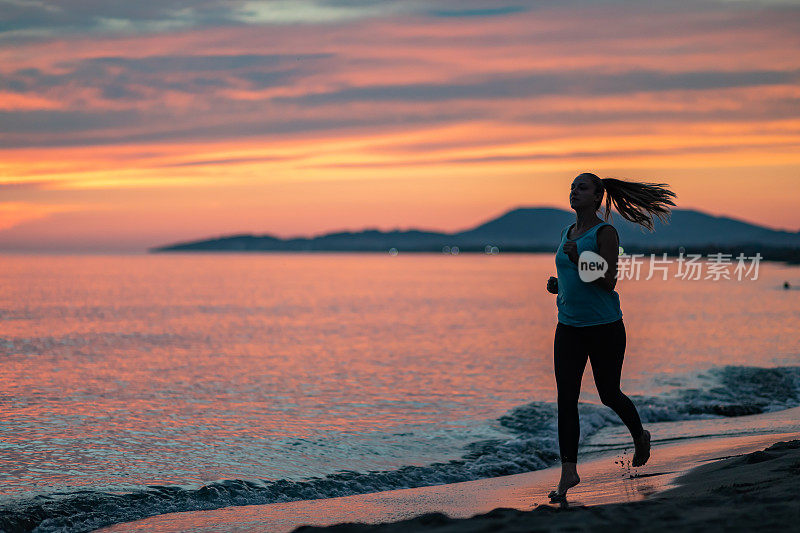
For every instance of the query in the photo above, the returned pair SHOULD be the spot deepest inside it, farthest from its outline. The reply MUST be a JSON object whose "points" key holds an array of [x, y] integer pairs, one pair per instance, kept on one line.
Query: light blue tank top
{"points": [[580, 303]]}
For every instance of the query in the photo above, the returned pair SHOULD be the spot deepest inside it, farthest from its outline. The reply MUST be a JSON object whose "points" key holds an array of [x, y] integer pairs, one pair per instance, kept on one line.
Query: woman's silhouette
{"points": [[589, 314]]}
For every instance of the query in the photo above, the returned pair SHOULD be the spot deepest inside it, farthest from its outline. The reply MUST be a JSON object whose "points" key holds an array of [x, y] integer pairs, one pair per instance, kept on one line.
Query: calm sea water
{"points": [[136, 385]]}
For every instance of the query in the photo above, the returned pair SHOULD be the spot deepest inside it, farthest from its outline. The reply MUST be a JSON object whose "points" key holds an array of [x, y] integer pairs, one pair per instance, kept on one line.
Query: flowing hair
{"points": [[635, 201]]}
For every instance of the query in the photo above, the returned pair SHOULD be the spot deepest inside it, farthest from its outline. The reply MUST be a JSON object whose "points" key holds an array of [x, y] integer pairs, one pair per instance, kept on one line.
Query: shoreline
{"points": [[738, 493], [609, 490]]}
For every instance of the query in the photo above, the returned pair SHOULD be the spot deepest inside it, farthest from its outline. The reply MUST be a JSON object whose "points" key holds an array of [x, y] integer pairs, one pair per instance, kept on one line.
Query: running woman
{"points": [[589, 314]]}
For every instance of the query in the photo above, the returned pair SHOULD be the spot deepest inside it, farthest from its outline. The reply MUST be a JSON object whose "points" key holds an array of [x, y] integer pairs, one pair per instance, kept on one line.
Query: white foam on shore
{"points": [[603, 481]]}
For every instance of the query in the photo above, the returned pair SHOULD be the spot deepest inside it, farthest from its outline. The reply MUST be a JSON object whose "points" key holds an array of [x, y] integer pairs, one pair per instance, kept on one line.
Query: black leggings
{"points": [[604, 344]]}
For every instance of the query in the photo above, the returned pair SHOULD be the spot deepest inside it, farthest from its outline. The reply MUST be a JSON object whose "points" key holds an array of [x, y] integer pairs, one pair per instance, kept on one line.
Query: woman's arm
{"points": [[608, 249]]}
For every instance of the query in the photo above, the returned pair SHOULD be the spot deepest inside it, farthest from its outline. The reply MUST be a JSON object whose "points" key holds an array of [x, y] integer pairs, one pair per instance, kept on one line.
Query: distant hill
{"points": [[687, 227], [521, 229]]}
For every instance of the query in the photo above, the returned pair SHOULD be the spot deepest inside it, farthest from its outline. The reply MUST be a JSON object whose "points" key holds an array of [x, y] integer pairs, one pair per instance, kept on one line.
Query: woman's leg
{"points": [[569, 357], [606, 354]]}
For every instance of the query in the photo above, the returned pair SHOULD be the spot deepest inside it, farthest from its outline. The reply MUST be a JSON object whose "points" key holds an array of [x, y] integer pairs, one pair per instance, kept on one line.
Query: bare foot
{"points": [[568, 480], [642, 453]]}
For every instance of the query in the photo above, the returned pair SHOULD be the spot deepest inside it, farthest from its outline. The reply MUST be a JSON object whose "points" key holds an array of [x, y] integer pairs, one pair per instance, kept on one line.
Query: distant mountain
{"points": [[524, 228], [687, 227]]}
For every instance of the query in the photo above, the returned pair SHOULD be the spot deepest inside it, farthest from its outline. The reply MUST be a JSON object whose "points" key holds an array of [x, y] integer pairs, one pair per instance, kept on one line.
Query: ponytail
{"points": [[635, 201]]}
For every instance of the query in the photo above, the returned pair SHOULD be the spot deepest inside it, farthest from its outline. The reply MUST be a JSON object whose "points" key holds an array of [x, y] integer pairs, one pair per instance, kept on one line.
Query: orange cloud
{"points": [[15, 213]]}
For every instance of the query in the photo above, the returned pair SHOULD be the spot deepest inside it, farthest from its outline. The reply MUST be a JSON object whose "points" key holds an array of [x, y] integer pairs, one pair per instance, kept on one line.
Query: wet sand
{"points": [[710, 483], [746, 492]]}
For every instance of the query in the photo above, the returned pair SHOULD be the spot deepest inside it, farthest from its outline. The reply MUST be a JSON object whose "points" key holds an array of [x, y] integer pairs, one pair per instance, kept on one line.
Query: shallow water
{"points": [[123, 372]]}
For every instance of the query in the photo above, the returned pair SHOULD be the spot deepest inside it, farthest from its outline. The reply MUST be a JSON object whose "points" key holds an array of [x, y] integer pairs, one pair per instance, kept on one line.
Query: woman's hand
{"points": [[552, 285], [571, 249]]}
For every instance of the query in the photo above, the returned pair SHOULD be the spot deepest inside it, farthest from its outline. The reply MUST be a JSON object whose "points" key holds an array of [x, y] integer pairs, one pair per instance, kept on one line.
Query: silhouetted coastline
{"points": [[529, 230]]}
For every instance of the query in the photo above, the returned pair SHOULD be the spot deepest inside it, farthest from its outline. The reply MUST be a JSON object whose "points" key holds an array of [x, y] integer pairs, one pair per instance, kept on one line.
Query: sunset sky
{"points": [[126, 125]]}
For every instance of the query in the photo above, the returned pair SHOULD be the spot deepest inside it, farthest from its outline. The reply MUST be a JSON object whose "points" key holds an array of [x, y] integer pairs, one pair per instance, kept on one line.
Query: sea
{"points": [[143, 384]]}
